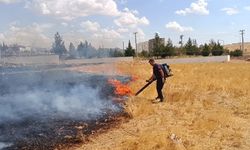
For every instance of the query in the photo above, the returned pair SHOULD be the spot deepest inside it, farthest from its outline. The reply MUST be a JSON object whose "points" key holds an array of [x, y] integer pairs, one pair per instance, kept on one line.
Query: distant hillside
{"points": [[235, 46]]}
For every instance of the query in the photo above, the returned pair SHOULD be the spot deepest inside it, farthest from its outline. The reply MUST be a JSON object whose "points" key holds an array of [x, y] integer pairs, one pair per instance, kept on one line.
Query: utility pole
{"points": [[135, 44], [181, 40], [242, 39], [123, 45]]}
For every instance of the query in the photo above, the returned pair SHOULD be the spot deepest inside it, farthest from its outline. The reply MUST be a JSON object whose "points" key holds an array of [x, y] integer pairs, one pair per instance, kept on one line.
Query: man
{"points": [[158, 75]]}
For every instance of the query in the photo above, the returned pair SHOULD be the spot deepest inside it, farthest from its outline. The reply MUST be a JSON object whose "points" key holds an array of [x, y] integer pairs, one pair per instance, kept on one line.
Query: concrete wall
{"points": [[27, 60], [97, 60], [54, 59], [170, 61], [195, 60]]}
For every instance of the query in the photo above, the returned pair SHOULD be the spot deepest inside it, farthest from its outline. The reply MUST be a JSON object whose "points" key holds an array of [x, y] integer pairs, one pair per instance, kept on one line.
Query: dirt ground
{"points": [[206, 107]]}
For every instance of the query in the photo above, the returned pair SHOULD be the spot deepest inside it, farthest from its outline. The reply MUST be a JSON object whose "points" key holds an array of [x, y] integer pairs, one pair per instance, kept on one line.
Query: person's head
{"points": [[151, 61]]}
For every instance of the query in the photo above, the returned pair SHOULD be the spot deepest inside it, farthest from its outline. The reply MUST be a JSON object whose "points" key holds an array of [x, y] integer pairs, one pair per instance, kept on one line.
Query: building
{"points": [[143, 46], [148, 45], [151, 43]]}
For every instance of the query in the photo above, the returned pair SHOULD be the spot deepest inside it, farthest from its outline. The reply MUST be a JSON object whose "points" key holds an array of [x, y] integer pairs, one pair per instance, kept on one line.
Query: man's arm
{"points": [[151, 78]]}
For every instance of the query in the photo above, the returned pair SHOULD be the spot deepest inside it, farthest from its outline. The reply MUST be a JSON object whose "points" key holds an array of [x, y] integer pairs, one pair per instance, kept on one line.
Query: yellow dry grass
{"points": [[207, 107]]}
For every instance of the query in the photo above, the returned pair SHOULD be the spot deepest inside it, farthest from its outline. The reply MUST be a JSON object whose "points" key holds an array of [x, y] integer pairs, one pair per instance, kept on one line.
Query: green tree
{"points": [[58, 46], [158, 47], [236, 53], [195, 49], [217, 49], [129, 50], [169, 49], [189, 47], [205, 50]]}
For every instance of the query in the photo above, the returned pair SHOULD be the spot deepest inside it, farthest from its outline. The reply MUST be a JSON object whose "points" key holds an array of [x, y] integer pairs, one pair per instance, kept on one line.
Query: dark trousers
{"points": [[159, 86]]}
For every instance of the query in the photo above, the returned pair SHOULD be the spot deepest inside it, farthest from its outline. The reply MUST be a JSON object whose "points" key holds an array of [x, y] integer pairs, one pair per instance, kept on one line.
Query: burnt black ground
{"points": [[45, 131]]}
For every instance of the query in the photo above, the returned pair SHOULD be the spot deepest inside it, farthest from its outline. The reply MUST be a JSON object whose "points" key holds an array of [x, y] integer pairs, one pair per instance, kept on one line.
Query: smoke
{"points": [[48, 95], [80, 102], [4, 145]]}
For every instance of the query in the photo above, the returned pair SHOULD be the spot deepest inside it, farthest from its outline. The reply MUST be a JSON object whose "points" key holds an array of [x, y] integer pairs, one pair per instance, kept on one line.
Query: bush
{"points": [[205, 53], [236, 53], [218, 52], [205, 50]]}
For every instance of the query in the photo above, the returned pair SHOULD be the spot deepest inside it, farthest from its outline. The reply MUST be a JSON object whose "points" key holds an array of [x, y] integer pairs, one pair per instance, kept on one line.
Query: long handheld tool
{"points": [[144, 87]]}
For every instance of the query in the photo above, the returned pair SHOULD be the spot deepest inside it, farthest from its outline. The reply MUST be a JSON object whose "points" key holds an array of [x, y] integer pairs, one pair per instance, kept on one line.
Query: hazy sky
{"points": [[108, 23]]}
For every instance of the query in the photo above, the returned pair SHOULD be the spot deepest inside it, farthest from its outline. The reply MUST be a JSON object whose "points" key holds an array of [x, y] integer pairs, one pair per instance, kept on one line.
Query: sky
{"points": [[110, 23]]}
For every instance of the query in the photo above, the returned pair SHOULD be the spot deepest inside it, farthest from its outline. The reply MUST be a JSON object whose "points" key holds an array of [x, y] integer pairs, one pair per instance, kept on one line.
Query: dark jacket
{"points": [[156, 71]]}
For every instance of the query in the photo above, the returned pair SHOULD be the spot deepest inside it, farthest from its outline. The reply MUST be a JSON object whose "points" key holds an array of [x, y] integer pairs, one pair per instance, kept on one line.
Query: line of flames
{"points": [[120, 88]]}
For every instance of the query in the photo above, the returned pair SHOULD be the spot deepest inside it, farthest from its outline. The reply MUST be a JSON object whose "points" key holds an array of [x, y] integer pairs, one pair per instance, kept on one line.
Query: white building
{"points": [[148, 45], [143, 46]]}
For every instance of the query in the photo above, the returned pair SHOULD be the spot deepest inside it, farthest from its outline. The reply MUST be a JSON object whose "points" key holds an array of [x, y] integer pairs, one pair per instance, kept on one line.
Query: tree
{"points": [[158, 47], [236, 53], [196, 50], [72, 50], [3, 49], [205, 50], [58, 46], [129, 50], [80, 49], [116, 53], [169, 49], [217, 49], [86, 50], [189, 47]]}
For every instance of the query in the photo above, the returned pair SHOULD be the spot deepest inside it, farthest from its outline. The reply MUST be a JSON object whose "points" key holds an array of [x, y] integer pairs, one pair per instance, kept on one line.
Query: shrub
{"points": [[205, 50], [236, 53]]}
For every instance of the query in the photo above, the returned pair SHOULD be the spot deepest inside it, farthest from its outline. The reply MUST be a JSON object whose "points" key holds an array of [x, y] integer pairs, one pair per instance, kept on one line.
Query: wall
{"points": [[26, 60], [195, 60]]}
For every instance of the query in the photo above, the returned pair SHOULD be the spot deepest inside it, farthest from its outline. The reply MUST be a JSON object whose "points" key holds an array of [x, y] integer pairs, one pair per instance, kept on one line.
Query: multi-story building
{"points": [[143, 46], [152, 41], [148, 45]]}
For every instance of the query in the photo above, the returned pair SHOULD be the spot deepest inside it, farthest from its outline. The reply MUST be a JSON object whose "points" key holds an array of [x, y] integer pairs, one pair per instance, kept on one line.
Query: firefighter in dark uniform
{"points": [[158, 75]]}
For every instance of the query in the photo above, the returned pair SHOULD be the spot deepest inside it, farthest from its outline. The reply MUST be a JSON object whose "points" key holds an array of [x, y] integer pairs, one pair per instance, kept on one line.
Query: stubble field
{"points": [[206, 107]]}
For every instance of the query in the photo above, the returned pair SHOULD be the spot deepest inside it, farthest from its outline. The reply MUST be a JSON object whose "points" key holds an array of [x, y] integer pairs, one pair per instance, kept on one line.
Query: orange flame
{"points": [[120, 88]]}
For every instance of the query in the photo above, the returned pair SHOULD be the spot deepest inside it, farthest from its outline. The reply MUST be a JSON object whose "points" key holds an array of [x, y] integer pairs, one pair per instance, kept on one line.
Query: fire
{"points": [[120, 88]]}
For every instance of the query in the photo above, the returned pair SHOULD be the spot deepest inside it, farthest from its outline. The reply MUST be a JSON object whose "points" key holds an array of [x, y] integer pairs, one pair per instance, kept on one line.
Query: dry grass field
{"points": [[207, 107]]}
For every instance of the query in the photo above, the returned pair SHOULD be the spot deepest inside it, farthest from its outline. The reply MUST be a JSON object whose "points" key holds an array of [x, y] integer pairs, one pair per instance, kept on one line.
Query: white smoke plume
{"points": [[48, 95]]}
